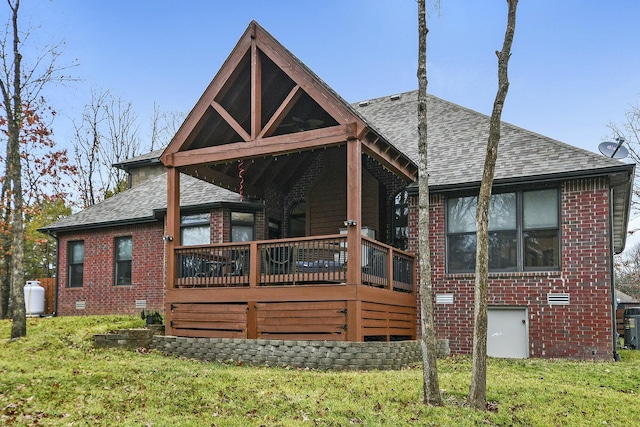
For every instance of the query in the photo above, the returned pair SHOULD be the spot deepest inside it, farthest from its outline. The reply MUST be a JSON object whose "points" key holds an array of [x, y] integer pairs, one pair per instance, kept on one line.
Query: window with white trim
{"points": [[242, 226], [195, 229]]}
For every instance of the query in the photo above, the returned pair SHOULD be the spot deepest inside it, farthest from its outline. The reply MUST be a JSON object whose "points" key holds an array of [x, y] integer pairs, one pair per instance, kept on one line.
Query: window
{"points": [[275, 229], [401, 220], [523, 232], [298, 220], [122, 262], [195, 229], [76, 264], [242, 226]]}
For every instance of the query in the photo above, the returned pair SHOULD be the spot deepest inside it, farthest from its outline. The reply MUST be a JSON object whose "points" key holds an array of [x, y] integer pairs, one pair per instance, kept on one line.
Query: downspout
{"points": [[55, 286], [55, 289], [616, 355]]}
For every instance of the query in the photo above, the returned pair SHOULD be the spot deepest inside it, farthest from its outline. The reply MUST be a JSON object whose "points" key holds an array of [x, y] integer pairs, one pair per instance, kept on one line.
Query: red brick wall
{"points": [[98, 292], [582, 329]]}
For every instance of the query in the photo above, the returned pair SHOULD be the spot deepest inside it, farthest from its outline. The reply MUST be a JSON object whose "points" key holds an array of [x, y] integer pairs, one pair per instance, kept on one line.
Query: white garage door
{"points": [[507, 333]]}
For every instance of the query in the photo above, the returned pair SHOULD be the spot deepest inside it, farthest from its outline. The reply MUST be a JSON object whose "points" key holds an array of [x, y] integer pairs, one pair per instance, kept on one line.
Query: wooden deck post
{"points": [[172, 236], [390, 270], [354, 321], [252, 320], [254, 265], [354, 211]]}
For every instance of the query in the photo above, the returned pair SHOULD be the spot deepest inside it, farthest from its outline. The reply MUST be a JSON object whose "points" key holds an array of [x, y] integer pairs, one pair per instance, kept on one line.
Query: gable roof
{"points": [[264, 103], [143, 160]]}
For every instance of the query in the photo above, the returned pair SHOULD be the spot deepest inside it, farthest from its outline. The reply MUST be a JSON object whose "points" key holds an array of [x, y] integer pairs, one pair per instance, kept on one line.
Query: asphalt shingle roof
{"points": [[457, 139], [139, 204]]}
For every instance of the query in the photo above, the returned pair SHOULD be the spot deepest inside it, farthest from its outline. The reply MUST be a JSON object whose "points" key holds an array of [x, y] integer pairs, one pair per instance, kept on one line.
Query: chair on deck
{"points": [[236, 263], [278, 260]]}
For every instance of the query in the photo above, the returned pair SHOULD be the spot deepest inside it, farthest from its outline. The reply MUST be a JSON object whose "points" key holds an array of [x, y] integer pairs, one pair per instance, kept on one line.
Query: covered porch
{"points": [[268, 129]]}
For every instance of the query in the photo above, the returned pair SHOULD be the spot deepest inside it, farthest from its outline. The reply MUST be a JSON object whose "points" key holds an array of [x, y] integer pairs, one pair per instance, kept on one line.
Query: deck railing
{"points": [[300, 261]]}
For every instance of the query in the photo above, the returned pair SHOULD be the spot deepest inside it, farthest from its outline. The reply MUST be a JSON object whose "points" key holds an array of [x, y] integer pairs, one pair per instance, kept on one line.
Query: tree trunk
{"points": [[5, 259], [428, 338], [12, 97], [478, 388]]}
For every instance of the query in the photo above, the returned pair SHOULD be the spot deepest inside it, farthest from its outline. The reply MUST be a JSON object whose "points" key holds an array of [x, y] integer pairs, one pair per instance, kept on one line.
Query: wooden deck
{"points": [[292, 289]]}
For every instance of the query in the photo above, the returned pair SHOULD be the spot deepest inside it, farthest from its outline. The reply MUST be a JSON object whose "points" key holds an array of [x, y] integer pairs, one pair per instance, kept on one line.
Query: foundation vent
{"points": [[558, 299], [444, 298]]}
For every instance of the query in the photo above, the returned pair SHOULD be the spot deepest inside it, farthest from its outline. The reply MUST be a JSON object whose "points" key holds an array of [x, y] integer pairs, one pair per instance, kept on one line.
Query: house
{"points": [[282, 211]]}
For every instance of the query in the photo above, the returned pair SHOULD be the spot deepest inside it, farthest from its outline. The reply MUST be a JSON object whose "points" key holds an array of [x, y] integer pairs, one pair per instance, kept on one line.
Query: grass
{"points": [[54, 377]]}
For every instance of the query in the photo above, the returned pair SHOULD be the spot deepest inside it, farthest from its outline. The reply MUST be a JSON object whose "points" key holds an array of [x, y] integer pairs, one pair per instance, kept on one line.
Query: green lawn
{"points": [[56, 377]]}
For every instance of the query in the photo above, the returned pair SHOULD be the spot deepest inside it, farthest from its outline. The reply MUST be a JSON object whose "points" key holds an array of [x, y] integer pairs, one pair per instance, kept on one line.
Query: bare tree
{"points": [[628, 133], [87, 151], [627, 271], [428, 341], [478, 388], [20, 87], [108, 133], [164, 124]]}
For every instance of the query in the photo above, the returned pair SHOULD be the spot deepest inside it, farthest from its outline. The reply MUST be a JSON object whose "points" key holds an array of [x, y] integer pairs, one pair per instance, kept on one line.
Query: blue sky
{"points": [[575, 65]]}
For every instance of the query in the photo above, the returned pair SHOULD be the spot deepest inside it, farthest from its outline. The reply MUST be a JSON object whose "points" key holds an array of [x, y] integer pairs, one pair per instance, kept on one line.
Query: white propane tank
{"points": [[34, 298]]}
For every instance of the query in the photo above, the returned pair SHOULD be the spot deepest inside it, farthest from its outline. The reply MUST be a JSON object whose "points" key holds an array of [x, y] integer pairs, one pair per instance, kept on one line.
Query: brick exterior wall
{"points": [[583, 328], [99, 294]]}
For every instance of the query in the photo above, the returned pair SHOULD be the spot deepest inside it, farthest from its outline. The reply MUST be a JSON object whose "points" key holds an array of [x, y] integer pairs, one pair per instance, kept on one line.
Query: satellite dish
{"points": [[614, 150]]}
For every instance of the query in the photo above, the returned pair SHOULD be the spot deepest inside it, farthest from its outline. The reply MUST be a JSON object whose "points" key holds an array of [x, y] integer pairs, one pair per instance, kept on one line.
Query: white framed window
{"points": [[242, 226], [195, 229]]}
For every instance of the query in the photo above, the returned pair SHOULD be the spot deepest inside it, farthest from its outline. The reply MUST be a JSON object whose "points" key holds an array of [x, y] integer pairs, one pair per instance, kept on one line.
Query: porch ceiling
{"points": [[256, 174]]}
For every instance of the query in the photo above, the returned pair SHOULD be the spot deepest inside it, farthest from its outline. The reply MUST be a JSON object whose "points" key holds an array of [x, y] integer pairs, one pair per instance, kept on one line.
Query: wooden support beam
{"points": [[281, 112], [272, 146], [256, 90], [407, 171], [271, 48], [218, 82], [232, 122], [354, 210], [173, 224]]}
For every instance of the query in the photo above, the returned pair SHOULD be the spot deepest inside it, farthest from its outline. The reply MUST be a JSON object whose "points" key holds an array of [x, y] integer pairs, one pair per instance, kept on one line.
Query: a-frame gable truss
{"points": [[262, 137]]}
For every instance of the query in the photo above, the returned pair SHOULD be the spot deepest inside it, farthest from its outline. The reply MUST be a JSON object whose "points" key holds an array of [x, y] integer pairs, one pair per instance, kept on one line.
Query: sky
{"points": [[575, 65]]}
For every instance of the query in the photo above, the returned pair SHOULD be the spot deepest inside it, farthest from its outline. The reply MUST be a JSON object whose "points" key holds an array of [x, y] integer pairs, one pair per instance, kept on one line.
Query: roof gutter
{"points": [[624, 168], [53, 231], [157, 215]]}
